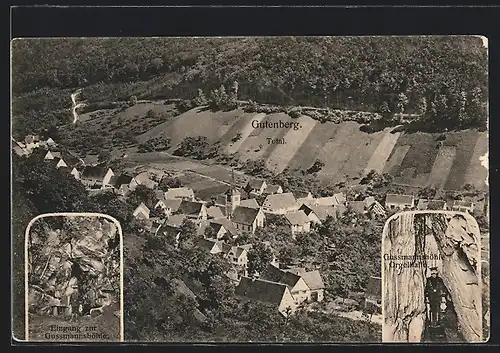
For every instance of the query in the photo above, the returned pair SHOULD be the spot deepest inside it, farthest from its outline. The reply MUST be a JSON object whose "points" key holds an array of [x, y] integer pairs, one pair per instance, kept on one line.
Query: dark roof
{"points": [[228, 225], [190, 207], [255, 183], [94, 172], [122, 179], [374, 287], [206, 243], [244, 215], [399, 199], [261, 290], [91, 159], [424, 204], [357, 206], [274, 274], [300, 194], [272, 188], [297, 218]]}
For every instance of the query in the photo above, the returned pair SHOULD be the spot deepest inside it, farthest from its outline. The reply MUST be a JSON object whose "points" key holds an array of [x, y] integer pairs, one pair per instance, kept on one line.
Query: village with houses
{"points": [[252, 176], [242, 210]]}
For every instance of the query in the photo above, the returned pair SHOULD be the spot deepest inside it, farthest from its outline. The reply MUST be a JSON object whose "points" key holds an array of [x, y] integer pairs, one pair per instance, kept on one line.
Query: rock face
{"points": [[412, 243], [76, 253]]}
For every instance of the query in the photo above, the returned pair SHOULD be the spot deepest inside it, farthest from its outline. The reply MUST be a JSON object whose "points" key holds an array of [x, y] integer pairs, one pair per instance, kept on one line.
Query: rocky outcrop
{"points": [[83, 254], [415, 241]]}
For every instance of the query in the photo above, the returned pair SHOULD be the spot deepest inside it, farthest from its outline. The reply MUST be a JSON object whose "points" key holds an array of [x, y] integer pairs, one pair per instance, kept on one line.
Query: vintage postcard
{"points": [[73, 283], [433, 289], [252, 178]]}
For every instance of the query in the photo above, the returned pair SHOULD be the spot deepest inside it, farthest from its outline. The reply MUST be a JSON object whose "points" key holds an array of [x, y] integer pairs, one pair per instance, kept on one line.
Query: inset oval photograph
{"points": [[432, 284], [74, 278]]}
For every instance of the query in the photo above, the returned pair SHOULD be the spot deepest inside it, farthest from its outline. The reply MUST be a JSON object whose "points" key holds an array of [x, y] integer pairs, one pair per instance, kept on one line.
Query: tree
{"points": [[258, 258], [422, 106], [200, 99], [385, 111], [142, 194], [104, 156], [427, 193], [402, 103], [168, 182], [187, 234], [133, 100], [209, 233]]}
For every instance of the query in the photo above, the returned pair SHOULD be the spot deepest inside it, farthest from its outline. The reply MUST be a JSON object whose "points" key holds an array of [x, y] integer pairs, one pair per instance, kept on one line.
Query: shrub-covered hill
{"points": [[443, 77]]}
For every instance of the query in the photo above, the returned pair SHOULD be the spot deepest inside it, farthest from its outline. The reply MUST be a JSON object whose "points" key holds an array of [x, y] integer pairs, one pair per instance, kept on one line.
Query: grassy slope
{"points": [[409, 157]]}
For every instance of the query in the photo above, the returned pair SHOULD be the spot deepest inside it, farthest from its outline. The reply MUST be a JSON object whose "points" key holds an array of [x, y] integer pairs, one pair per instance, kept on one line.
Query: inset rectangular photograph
{"points": [[73, 281], [432, 283]]}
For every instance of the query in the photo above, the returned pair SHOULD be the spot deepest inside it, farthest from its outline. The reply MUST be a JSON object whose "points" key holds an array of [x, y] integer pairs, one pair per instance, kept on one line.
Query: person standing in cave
{"points": [[435, 297], [75, 304]]}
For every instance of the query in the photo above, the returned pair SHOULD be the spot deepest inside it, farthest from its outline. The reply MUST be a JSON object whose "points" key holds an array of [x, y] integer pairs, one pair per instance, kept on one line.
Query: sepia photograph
{"points": [[252, 178], [432, 282], [73, 279]]}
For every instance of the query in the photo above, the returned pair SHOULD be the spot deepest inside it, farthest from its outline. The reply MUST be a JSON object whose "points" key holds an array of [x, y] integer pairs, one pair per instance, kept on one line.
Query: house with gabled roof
{"points": [[272, 189], [318, 214], [52, 155], [269, 292], [295, 283], [123, 183], [247, 219], [251, 203], [238, 255], [193, 209], [144, 179], [256, 187], [181, 193], [212, 246], [376, 210], [96, 176], [228, 226], [168, 206], [316, 285], [142, 211], [298, 221], [19, 148], [399, 202], [218, 229], [463, 206], [280, 203]]}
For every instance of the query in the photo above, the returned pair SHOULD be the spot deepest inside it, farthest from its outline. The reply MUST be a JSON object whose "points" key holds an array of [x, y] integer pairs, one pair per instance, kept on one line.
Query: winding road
{"points": [[76, 105]]}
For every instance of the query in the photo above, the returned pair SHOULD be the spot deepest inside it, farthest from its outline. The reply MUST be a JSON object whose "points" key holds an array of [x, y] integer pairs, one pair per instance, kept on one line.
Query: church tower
{"points": [[233, 197]]}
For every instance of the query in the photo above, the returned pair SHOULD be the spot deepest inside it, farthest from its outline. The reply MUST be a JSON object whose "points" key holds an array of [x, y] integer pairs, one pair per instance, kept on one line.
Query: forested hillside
{"points": [[442, 79]]}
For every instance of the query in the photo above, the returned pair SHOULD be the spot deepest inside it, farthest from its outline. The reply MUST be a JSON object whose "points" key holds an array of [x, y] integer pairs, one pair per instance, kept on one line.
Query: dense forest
{"points": [[440, 78]]}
